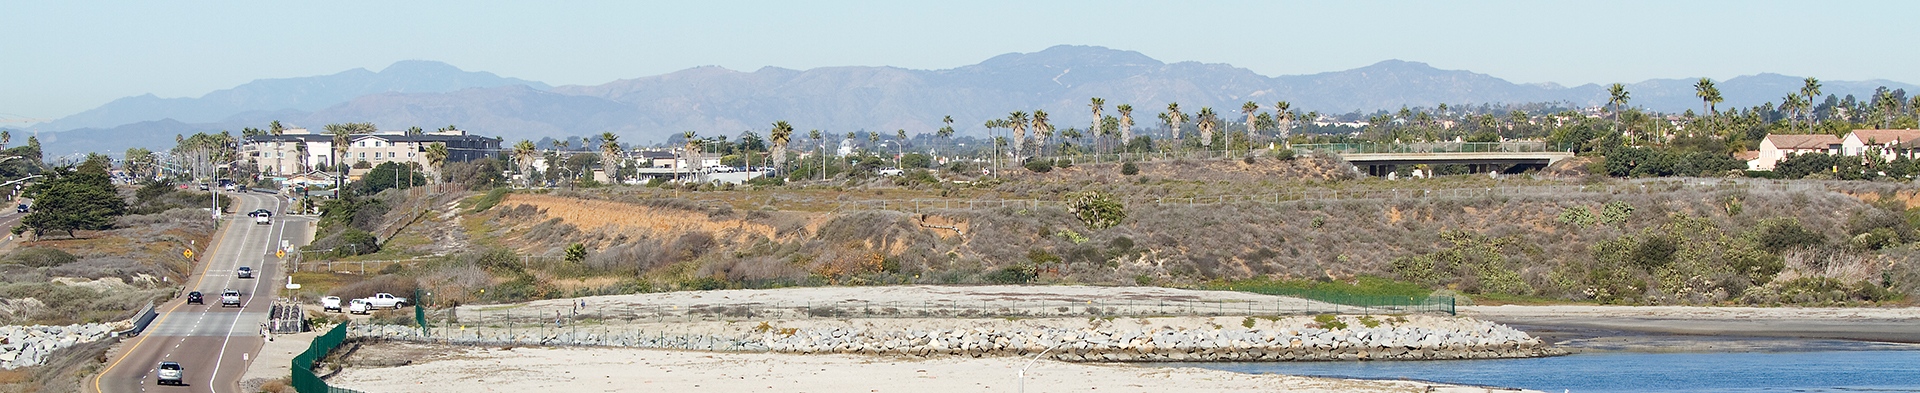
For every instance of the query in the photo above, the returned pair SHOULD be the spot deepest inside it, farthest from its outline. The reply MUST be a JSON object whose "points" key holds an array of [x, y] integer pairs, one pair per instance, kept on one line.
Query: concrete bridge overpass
{"points": [[1378, 159]]}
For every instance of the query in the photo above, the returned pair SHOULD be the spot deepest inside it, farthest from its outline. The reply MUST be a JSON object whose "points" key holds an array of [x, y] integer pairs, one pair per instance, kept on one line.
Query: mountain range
{"points": [[714, 100]]}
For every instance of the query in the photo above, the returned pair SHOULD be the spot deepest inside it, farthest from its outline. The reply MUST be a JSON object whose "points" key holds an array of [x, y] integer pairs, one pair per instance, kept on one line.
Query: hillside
{"points": [[1058, 80], [1711, 242]]}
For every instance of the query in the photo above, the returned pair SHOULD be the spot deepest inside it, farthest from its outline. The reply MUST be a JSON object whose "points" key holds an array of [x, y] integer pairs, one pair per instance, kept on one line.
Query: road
{"points": [[213, 344]]}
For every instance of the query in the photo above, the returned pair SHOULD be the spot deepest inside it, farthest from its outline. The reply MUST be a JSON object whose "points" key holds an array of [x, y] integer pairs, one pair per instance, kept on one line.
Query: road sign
{"points": [[281, 253], [187, 253]]}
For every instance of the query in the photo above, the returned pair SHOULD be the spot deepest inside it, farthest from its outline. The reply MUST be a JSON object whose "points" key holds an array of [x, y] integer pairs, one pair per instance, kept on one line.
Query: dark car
{"points": [[260, 212], [22, 208], [194, 298]]}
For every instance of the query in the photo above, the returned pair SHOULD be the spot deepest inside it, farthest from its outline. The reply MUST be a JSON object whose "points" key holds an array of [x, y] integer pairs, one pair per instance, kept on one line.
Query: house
{"points": [[299, 150], [1879, 141], [1777, 147]]}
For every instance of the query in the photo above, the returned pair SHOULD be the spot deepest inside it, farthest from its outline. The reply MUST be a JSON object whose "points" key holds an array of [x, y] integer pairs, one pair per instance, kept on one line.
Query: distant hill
{"points": [[714, 100], [297, 94]]}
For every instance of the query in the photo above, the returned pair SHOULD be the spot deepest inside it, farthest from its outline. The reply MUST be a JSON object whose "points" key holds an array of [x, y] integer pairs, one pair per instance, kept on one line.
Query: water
{"points": [[1847, 371]]}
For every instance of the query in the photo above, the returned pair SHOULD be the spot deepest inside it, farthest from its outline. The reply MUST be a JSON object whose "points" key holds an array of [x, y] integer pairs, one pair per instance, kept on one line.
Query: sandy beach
{"points": [[447, 369]]}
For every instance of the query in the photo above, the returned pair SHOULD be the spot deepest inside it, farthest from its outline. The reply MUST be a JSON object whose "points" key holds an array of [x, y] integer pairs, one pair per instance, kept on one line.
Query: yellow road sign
{"points": [[281, 253], [187, 253]]}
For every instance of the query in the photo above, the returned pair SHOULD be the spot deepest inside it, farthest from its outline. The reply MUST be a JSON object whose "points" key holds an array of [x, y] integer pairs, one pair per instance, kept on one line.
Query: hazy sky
{"points": [[62, 57]]}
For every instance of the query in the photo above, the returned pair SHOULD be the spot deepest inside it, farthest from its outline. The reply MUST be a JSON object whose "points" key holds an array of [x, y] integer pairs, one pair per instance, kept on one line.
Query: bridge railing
{"points": [[1434, 147]]}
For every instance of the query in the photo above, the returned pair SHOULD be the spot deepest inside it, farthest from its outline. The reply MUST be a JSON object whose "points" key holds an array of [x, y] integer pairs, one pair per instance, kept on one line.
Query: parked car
{"points": [[21, 209], [720, 168], [892, 172], [229, 298], [203, 186], [386, 300], [194, 298], [243, 272], [170, 373], [330, 303], [358, 306]]}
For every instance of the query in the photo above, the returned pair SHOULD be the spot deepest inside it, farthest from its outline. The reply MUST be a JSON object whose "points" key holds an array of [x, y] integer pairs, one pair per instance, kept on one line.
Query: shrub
{"points": [[1129, 169], [492, 198], [1097, 209], [1579, 216], [40, 257], [1615, 212], [1040, 165], [1284, 155], [1329, 322], [1017, 274]]}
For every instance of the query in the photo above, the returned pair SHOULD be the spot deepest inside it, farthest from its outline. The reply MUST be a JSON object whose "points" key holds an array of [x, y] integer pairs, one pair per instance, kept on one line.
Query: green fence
{"points": [[1365, 303], [304, 380]]}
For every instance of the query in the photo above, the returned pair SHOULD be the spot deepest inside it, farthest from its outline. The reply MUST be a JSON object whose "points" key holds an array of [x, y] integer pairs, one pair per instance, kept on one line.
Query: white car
{"points": [[358, 306], [330, 303], [243, 272], [169, 374], [262, 220]]}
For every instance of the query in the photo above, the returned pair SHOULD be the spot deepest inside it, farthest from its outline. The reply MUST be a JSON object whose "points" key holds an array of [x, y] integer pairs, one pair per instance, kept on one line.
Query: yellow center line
{"points": [[204, 256]]}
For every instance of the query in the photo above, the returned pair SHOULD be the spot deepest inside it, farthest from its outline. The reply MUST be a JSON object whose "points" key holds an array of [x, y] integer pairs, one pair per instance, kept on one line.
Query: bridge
{"points": [[1378, 159]]}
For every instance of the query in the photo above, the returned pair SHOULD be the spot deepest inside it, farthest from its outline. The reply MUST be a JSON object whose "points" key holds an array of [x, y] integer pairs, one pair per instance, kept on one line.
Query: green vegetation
{"points": [[72, 199]]}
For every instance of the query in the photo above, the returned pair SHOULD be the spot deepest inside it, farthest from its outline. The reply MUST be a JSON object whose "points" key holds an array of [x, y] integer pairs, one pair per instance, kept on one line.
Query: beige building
{"points": [[282, 155], [1776, 147]]}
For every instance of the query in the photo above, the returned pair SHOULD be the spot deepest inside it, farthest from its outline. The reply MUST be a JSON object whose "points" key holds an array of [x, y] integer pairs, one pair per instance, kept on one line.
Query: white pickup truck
{"points": [[330, 303], [385, 300]]}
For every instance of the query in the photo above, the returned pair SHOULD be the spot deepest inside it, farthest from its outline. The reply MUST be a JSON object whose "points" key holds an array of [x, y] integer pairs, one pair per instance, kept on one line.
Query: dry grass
{"points": [[617, 217]]}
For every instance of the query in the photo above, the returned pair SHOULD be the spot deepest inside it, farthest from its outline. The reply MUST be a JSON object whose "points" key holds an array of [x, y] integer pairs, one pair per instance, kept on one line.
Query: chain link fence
{"points": [[924, 205], [304, 380]]}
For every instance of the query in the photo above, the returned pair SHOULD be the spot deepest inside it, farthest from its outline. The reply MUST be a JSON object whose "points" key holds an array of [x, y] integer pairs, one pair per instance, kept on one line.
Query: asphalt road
{"points": [[213, 344]]}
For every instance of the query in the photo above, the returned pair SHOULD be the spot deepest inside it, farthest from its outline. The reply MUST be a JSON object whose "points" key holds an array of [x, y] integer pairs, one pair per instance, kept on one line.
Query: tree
{"points": [[415, 130], [947, 131], [1792, 104], [74, 198], [1207, 122], [1174, 118], [1283, 111], [782, 133], [275, 128], [523, 154], [1018, 120], [1042, 129], [436, 156], [1097, 104], [1708, 94], [1617, 96], [389, 175], [138, 162], [1126, 121], [1250, 108], [610, 155], [342, 136]]}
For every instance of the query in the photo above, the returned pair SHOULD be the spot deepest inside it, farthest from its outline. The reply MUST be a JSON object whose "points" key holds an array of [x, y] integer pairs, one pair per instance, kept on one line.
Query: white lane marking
{"points": [[211, 386]]}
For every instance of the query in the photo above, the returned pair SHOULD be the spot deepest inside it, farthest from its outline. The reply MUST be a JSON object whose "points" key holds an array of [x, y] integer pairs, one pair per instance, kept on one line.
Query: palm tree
{"points": [[610, 157], [1097, 104], [781, 134], [1174, 117], [6, 136], [1810, 89], [1515, 119], [1249, 109], [947, 131], [1019, 121], [1708, 94], [1126, 122], [343, 135], [1207, 121], [436, 156], [1280, 109], [1042, 129], [1617, 96], [299, 150], [523, 153]]}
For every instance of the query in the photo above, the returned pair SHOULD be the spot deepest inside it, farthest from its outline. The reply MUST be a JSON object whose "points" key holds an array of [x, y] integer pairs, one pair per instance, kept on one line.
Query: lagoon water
{"points": [[1843, 371]]}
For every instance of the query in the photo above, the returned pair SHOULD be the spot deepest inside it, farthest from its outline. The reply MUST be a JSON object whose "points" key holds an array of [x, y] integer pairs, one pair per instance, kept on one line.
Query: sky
{"points": [[58, 58]]}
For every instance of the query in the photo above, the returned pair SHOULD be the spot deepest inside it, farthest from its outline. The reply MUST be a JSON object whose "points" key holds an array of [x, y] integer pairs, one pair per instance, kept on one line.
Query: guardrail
{"points": [[140, 321], [1435, 147]]}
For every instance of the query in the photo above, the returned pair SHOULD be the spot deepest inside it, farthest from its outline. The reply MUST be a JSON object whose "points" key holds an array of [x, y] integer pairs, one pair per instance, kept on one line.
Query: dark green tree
{"points": [[74, 198]]}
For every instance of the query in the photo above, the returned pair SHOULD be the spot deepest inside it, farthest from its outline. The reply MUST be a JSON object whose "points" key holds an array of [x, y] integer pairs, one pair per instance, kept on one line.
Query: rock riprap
{"points": [[1091, 340], [27, 346]]}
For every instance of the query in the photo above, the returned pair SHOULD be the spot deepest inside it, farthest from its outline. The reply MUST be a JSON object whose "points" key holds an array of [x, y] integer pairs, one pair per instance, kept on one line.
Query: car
{"points": [[358, 306], [243, 272], [330, 303], [170, 373], [22, 208], [260, 212], [204, 187], [385, 300], [230, 298], [194, 298], [263, 219], [242, 188], [892, 172]]}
